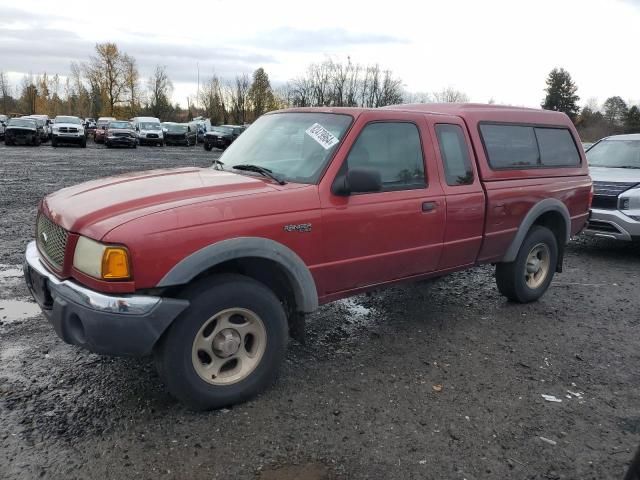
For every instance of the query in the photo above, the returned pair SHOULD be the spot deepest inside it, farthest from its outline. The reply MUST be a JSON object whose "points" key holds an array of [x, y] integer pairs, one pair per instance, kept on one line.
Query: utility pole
{"points": [[198, 95]]}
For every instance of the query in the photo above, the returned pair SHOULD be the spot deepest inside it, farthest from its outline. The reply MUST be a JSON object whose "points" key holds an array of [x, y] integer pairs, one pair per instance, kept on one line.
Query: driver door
{"points": [[371, 238]]}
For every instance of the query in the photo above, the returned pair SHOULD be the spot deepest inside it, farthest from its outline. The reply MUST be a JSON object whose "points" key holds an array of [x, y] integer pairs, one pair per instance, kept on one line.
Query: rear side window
{"points": [[522, 146], [455, 154], [557, 148]]}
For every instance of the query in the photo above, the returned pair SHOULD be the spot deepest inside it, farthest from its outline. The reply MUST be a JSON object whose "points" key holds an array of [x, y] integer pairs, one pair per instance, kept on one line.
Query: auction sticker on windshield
{"points": [[321, 135]]}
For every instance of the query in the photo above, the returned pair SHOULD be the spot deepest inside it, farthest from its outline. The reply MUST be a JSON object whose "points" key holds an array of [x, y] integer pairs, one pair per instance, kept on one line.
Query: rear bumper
{"points": [[107, 324], [612, 224]]}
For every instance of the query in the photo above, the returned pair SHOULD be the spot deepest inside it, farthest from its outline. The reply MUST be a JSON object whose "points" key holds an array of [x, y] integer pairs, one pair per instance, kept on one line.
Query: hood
{"points": [[624, 175], [95, 207], [67, 125], [218, 134], [121, 130], [18, 127]]}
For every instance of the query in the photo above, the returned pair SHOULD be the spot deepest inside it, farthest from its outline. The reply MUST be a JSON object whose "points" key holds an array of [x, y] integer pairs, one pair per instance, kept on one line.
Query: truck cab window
{"points": [[455, 154], [395, 150]]}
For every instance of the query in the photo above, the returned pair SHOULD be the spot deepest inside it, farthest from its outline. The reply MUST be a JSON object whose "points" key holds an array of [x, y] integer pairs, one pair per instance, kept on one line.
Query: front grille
{"points": [[51, 240], [605, 203], [152, 135], [68, 130], [605, 194], [121, 134]]}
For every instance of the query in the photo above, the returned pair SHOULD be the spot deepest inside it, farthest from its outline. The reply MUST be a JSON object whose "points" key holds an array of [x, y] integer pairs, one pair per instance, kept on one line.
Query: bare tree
{"points": [[160, 88], [212, 98], [238, 92], [5, 92], [450, 95], [107, 69], [132, 83]]}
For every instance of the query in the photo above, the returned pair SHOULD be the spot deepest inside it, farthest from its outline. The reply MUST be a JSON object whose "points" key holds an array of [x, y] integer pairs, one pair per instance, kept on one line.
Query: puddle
{"points": [[11, 352], [16, 310], [10, 274]]}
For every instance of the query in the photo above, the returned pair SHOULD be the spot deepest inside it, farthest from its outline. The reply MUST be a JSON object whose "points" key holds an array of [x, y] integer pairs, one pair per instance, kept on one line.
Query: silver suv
{"points": [[614, 165]]}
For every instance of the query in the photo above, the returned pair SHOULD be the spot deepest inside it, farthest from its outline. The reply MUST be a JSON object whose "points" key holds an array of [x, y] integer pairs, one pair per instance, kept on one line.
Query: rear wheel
{"points": [[227, 346], [530, 274]]}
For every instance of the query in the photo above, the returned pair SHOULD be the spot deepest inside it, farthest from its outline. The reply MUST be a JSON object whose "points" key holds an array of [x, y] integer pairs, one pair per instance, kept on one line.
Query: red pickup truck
{"points": [[211, 269]]}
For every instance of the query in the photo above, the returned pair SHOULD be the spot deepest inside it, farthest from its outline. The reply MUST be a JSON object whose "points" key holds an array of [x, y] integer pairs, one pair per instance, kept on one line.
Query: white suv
{"points": [[67, 129]]}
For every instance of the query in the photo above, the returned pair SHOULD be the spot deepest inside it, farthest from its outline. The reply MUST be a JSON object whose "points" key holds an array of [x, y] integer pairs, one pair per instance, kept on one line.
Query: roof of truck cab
{"points": [[476, 111]]}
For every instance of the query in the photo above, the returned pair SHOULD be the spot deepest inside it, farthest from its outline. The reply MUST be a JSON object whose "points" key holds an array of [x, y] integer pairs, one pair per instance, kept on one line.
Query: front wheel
{"points": [[54, 142], [227, 346], [527, 278], [207, 147]]}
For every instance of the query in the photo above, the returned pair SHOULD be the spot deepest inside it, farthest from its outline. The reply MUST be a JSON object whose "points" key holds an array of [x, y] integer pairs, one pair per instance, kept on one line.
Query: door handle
{"points": [[428, 206]]}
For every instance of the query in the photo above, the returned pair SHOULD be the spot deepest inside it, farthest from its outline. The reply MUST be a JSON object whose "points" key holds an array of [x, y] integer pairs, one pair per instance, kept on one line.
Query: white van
{"points": [[148, 130]]}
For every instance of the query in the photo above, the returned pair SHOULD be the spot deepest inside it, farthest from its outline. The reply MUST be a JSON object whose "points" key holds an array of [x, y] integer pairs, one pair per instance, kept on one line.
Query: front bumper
{"points": [[612, 224], [68, 138], [108, 324], [122, 141]]}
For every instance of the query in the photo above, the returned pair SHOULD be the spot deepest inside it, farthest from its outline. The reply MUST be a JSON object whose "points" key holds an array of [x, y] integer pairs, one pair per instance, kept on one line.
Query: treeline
{"points": [[593, 121], [109, 84]]}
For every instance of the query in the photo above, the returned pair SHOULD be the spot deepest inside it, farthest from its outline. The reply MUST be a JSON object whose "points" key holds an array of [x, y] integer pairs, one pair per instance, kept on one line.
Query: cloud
{"points": [[52, 50], [289, 38]]}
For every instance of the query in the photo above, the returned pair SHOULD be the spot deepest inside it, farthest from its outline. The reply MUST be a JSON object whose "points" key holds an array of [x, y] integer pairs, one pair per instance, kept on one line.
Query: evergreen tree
{"points": [[632, 120], [561, 93], [615, 111], [260, 93]]}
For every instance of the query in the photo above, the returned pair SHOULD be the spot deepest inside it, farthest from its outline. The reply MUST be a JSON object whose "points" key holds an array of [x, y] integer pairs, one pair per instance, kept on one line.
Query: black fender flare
{"points": [[540, 208], [300, 278]]}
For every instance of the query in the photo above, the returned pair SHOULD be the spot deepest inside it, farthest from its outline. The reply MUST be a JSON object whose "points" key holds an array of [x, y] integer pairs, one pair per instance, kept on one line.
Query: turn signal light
{"points": [[115, 264]]}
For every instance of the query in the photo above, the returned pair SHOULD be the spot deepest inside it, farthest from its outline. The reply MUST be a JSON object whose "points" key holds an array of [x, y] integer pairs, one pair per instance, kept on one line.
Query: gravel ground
{"points": [[436, 380]]}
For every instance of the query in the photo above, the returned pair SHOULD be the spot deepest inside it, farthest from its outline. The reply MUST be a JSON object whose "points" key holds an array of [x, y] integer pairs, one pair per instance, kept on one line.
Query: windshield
{"points": [[119, 125], [149, 126], [615, 154], [295, 146], [225, 130], [75, 120], [22, 122], [176, 128]]}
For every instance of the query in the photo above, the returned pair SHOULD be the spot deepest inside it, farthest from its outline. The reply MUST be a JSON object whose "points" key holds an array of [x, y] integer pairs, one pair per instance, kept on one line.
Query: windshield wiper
{"points": [[261, 170]]}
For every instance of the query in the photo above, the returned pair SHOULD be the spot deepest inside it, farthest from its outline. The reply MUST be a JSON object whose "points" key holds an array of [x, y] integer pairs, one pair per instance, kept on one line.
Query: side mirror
{"points": [[357, 180]]}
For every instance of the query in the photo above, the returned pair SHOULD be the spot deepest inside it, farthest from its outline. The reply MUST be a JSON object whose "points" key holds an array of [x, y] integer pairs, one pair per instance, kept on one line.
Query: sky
{"points": [[500, 50]]}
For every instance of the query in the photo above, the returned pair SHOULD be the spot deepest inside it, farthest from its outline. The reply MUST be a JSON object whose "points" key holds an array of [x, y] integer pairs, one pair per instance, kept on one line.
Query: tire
{"points": [[107, 144], [54, 142], [208, 147], [83, 144], [516, 281], [161, 144], [37, 142], [135, 145], [177, 356]]}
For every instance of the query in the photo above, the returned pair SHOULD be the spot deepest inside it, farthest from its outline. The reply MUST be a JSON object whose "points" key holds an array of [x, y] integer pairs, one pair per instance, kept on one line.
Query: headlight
{"points": [[106, 262], [630, 200], [55, 129], [81, 131]]}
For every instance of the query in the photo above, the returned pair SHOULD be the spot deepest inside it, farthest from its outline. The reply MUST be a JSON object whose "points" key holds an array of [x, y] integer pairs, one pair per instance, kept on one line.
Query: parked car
{"points": [[120, 134], [23, 131], [222, 136], [614, 164], [101, 127], [149, 130], [47, 124], [587, 145], [180, 133], [204, 126], [43, 127], [90, 126], [3, 124], [68, 130], [210, 269]]}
